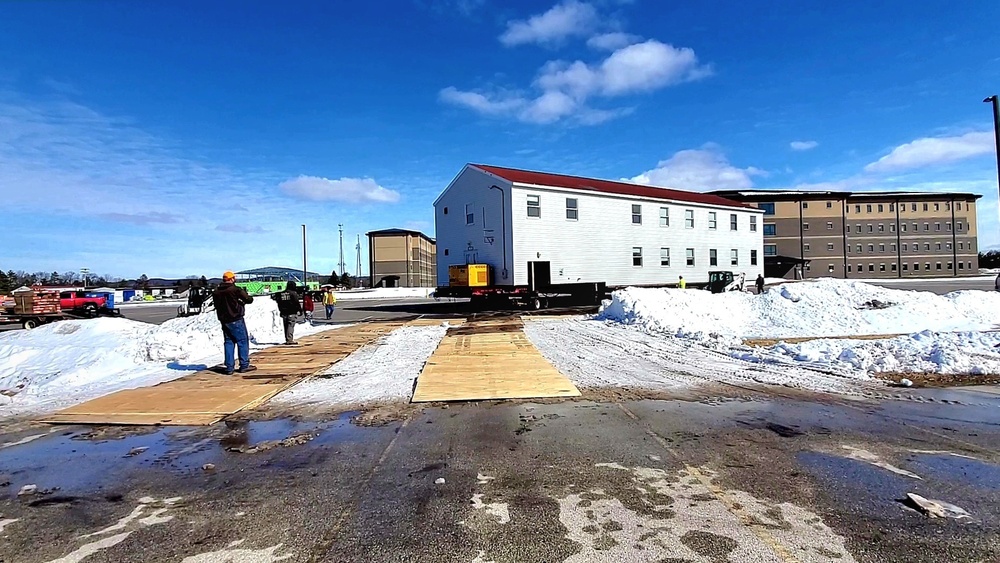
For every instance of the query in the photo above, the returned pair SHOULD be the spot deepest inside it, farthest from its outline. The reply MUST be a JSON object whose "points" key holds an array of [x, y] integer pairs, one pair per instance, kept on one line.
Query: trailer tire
{"points": [[29, 324], [90, 310], [536, 304]]}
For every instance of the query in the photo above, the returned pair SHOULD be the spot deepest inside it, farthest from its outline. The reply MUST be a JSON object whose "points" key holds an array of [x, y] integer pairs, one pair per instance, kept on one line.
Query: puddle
{"points": [[77, 459], [969, 472]]}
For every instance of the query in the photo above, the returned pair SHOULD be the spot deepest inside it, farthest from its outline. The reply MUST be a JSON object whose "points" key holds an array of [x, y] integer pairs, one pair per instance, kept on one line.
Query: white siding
{"points": [[598, 245], [460, 243]]}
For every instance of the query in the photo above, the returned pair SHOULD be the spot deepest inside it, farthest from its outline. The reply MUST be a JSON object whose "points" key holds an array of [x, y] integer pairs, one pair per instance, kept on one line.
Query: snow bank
{"points": [[384, 293], [923, 352], [827, 307], [68, 362]]}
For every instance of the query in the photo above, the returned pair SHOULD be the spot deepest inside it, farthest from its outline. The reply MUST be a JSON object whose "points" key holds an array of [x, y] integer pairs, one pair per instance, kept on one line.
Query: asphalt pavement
{"points": [[759, 477]]}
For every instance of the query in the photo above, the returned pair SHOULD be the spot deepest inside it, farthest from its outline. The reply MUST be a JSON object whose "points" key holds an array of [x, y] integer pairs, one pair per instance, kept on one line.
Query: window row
{"points": [[903, 227], [906, 267], [689, 257], [905, 247], [534, 209], [768, 208]]}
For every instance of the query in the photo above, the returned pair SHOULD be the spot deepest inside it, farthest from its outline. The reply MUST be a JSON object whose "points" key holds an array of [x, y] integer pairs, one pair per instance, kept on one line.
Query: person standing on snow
{"points": [[760, 284], [288, 307], [682, 284], [229, 302], [330, 302]]}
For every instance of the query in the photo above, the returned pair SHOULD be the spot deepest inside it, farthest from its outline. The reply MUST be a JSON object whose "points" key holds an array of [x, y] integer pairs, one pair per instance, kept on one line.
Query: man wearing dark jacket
{"points": [[229, 303], [288, 307]]}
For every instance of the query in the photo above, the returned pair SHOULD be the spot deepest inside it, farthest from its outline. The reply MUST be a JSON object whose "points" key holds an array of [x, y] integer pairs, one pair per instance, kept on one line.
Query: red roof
{"points": [[604, 186]]}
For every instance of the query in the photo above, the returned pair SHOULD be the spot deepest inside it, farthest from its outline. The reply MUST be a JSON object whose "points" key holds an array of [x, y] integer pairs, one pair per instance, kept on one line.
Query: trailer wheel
{"points": [[29, 324], [90, 310], [536, 304]]}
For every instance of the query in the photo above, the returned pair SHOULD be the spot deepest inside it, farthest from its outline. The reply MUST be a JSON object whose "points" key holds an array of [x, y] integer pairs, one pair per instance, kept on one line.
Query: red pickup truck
{"points": [[76, 302]]}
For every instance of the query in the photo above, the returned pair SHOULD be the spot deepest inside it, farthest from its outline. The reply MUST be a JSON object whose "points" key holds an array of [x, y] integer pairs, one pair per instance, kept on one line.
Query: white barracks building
{"points": [[583, 230]]}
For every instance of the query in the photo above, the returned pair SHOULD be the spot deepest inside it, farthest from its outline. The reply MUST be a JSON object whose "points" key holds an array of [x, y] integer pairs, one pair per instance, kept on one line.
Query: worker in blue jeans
{"points": [[230, 301]]}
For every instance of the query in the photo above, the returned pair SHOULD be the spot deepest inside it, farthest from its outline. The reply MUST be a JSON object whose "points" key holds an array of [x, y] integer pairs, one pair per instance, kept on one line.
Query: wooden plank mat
{"points": [[207, 397], [483, 360]]}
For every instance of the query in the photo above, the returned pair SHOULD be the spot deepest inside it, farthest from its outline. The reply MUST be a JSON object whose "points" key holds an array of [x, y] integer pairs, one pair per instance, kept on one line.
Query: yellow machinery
{"points": [[470, 275]]}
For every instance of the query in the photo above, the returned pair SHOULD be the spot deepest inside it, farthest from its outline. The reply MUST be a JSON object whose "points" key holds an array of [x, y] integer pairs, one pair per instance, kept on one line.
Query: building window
{"points": [[913, 207], [881, 228], [958, 206], [927, 246], [859, 249], [961, 246], [753, 223], [848, 249], [770, 250], [829, 224], [892, 247], [711, 220], [847, 229], [805, 247], [768, 208], [904, 247], [636, 214], [829, 268], [733, 222], [927, 266], [446, 252], [937, 226], [829, 204], [949, 265], [805, 226], [871, 267], [916, 227], [903, 227], [880, 208], [637, 256], [927, 226], [892, 207], [881, 267], [925, 209], [445, 210], [871, 248], [713, 258], [868, 208], [734, 257], [848, 268], [857, 228], [534, 206], [893, 266], [947, 207], [938, 265], [753, 257], [905, 267], [769, 229], [689, 256], [958, 226], [664, 256], [689, 218], [937, 207], [916, 266], [881, 247], [857, 209], [892, 227], [938, 246], [664, 216], [960, 266], [871, 228], [805, 205], [470, 216], [970, 265], [948, 226], [829, 246], [572, 211]]}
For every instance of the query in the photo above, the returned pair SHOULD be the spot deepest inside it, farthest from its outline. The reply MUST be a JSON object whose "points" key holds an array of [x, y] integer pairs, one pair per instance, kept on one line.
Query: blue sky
{"points": [[186, 138]]}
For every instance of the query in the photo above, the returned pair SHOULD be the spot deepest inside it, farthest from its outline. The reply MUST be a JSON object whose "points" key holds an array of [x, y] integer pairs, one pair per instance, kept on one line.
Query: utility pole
{"points": [[305, 275], [343, 267], [996, 131], [358, 247]]}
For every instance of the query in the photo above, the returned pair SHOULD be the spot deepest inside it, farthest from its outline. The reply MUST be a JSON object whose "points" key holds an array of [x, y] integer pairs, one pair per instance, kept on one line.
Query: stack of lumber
{"points": [[36, 302]]}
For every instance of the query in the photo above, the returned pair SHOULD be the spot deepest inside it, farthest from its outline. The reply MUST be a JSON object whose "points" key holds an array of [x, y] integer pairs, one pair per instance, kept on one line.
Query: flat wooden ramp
{"points": [[483, 360], [207, 397]]}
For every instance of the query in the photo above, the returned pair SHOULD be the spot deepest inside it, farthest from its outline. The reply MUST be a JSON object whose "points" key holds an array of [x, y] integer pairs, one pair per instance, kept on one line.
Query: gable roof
{"points": [[605, 186]]}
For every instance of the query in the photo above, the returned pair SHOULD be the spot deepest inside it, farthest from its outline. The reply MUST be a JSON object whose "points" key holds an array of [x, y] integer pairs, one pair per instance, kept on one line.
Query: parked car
{"points": [[78, 302]]}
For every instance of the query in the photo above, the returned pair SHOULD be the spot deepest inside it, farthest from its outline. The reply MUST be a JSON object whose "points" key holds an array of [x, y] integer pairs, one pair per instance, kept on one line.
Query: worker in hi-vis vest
{"points": [[682, 284]]}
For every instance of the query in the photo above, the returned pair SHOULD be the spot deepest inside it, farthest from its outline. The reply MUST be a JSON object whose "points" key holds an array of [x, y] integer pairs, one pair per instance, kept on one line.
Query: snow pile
{"points": [[923, 352], [68, 362], [945, 331], [826, 307], [384, 293]]}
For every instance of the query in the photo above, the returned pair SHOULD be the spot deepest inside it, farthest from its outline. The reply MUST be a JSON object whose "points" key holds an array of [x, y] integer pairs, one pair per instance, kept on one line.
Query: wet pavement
{"points": [[756, 477]]}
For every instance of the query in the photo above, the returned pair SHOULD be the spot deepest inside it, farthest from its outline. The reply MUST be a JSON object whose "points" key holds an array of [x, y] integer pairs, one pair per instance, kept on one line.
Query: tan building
{"points": [[866, 234], [401, 258]]}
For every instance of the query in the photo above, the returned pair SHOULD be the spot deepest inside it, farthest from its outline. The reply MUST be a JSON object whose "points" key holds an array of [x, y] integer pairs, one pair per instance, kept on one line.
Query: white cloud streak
{"points": [[803, 145], [345, 190], [612, 41], [567, 19], [700, 170], [930, 151]]}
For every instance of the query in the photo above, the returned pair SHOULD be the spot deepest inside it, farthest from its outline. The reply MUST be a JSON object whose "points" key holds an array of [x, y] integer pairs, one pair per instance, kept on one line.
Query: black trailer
{"points": [[527, 297]]}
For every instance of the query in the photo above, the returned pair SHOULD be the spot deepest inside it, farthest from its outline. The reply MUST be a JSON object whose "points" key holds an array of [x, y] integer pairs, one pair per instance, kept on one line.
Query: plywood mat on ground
{"points": [[485, 360], [206, 397]]}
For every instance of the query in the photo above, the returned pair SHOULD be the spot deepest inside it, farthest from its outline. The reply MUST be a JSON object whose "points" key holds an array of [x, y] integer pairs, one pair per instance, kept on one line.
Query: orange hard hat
{"points": [[229, 275]]}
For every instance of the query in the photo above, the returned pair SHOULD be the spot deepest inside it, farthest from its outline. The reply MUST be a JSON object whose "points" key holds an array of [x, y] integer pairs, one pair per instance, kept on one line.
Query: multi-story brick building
{"points": [[401, 258], [866, 234]]}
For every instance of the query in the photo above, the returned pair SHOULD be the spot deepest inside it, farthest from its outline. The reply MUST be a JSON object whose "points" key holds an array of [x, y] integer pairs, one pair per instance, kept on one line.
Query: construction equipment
{"points": [[721, 282], [199, 301]]}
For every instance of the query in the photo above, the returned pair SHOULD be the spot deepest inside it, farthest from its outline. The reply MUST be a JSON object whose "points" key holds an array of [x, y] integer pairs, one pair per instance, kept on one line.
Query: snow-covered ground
{"points": [[945, 332], [384, 293], [68, 362], [382, 371]]}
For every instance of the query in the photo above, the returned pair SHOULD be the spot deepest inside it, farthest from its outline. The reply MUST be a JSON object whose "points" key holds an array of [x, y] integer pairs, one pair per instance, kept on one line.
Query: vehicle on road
{"points": [[721, 282], [33, 307], [81, 302]]}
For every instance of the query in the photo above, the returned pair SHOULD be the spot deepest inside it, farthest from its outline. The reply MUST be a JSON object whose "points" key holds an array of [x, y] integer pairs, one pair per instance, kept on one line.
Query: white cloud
{"points": [[803, 145], [700, 170], [346, 190], [564, 88], [928, 151], [567, 19], [241, 228], [612, 41]]}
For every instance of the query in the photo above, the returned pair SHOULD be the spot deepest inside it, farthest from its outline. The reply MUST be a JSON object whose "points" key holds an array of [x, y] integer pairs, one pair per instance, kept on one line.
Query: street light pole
{"points": [[996, 130], [305, 279], [85, 272]]}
